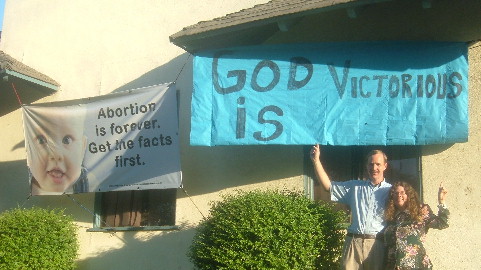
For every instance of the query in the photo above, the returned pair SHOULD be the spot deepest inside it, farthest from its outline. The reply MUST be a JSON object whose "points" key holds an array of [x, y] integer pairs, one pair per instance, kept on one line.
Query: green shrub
{"points": [[268, 230], [37, 238]]}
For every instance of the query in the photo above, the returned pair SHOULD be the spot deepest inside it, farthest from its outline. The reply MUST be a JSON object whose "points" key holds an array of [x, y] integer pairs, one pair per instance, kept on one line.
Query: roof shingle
{"points": [[9, 63]]}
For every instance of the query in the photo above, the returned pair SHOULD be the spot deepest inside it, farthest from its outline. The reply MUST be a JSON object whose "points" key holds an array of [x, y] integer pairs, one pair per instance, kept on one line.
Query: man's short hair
{"points": [[375, 152]]}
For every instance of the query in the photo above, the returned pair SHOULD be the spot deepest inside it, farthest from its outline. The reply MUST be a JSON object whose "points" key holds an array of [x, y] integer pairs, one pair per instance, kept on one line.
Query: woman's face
{"points": [[400, 197]]}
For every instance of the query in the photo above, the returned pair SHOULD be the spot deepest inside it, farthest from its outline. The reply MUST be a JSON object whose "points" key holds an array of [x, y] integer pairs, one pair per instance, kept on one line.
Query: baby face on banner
{"points": [[57, 149]]}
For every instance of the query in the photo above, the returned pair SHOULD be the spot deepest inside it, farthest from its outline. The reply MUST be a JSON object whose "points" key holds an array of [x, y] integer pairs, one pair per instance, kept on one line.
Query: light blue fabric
{"points": [[366, 201], [349, 93]]}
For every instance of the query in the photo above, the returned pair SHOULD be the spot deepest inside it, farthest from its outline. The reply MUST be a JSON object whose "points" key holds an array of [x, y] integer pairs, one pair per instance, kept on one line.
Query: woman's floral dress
{"points": [[404, 238]]}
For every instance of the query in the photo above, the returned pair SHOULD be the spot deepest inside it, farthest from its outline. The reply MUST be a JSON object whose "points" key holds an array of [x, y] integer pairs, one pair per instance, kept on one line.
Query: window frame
{"points": [[100, 225], [395, 153], [97, 219]]}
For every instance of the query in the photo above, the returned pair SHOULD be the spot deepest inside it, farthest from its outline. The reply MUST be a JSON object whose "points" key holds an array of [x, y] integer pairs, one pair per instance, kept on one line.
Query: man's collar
{"points": [[379, 184]]}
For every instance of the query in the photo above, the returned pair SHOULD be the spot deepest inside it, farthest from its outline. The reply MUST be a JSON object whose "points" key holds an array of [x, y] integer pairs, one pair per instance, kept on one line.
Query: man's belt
{"points": [[379, 236]]}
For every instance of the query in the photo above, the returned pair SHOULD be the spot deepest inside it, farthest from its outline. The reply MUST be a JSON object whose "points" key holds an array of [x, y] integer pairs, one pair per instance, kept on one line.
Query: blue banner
{"points": [[366, 93]]}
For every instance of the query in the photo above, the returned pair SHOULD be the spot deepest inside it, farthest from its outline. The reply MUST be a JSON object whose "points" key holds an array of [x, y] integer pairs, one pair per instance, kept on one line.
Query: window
{"points": [[344, 163], [135, 210]]}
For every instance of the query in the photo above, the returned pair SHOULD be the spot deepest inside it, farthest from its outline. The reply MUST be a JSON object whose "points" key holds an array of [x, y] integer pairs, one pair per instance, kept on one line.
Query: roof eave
{"points": [[188, 37], [50, 86]]}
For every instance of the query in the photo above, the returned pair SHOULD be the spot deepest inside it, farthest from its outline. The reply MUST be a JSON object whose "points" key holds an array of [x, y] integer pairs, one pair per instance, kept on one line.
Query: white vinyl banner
{"points": [[121, 141]]}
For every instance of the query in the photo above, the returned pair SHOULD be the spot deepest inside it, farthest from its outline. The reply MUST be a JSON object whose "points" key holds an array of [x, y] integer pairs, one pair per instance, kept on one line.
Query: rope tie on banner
{"points": [[26, 200], [186, 60], [16, 94], [80, 204], [91, 213], [182, 187], [185, 191]]}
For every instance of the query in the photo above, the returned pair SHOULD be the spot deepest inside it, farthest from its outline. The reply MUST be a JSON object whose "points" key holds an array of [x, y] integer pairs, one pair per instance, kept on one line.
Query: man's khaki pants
{"points": [[362, 254]]}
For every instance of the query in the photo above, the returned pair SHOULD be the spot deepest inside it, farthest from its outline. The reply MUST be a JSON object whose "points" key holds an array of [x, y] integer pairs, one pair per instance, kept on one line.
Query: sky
{"points": [[2, 6]]}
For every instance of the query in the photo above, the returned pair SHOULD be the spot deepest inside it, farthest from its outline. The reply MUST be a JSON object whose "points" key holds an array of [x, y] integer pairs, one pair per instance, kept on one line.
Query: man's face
{"points": [[376, 167], [58, 152]]}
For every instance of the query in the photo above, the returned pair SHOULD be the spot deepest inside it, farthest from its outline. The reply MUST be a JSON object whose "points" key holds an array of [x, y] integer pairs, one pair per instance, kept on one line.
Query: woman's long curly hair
{"points": [[413, 204]]}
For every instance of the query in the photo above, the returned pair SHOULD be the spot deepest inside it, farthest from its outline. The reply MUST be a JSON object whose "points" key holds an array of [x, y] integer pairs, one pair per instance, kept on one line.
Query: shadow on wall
{"points": [[205, 169], [153, 252], [27, 93], [211, 169], [434, 149], [14, 186], [162, 74], [15, 192]]}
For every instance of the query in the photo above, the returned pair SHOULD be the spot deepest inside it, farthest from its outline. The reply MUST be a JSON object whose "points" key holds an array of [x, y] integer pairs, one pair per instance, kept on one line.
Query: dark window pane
{"points": [[344, 163], [138, 208]]}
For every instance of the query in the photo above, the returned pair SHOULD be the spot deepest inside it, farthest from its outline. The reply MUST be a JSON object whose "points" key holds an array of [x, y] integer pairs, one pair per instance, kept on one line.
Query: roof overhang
{"points": [[281, 21], [10, 67], [19, 82], [7, 73]]}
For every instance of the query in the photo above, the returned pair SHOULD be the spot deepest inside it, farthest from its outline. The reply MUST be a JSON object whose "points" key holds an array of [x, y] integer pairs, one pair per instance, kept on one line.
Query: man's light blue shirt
{"points": [[366, 201]]}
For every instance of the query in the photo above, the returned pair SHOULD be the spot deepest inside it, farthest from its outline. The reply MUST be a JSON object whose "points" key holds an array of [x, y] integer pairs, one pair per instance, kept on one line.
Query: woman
{"points": [[408, 221]]}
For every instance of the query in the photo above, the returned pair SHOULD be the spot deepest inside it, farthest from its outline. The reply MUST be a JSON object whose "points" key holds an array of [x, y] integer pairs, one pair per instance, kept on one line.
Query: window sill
{"points": [[123, 229]]}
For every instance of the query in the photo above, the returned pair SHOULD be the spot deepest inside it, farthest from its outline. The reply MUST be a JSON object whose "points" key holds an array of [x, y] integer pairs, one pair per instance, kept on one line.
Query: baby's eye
{"points": [[41, 139], [67, 139]]}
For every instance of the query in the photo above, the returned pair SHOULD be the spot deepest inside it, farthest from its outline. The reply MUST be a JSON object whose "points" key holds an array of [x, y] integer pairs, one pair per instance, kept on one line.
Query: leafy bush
{"points": [[37, 238], [268, 230]]}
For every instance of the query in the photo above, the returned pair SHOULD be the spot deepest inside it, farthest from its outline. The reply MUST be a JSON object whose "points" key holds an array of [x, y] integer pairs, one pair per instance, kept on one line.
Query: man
{"points": [[364, 245]]}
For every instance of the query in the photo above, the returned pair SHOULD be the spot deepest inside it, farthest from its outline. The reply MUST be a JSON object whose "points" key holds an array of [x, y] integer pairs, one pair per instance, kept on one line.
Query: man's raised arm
{"points": [[321, 174]]}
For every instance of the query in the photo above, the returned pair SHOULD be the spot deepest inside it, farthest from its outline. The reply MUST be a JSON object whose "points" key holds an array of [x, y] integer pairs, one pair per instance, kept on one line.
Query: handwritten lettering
{"points": [[338, 78]]}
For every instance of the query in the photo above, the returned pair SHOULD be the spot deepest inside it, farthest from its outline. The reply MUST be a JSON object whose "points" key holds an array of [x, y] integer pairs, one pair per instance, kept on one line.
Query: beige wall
{"points": [[96, 47], [459, 168]]}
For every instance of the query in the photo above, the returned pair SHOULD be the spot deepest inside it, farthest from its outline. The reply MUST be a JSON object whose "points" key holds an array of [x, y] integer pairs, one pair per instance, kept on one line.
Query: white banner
{"points": [[121, 141]]}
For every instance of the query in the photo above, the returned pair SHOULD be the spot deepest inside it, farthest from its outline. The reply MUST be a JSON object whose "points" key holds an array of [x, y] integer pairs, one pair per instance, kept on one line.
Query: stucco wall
{"points": [[458, 167], [97, 47]]}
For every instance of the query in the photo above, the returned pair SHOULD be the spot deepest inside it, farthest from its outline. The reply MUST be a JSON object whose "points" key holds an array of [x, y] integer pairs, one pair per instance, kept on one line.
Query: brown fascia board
{"points": [[192, 37]]}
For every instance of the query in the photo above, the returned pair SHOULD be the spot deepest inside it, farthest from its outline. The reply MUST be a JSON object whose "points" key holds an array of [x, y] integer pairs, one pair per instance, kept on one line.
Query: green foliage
{"points": [[268, 230], [37, 238]]}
